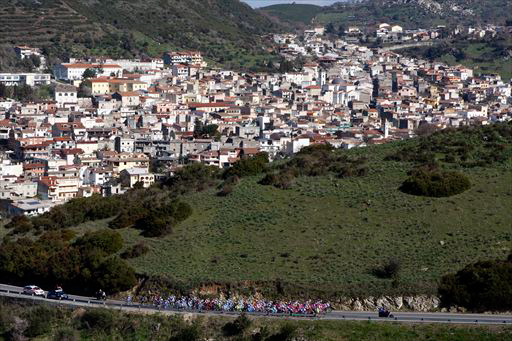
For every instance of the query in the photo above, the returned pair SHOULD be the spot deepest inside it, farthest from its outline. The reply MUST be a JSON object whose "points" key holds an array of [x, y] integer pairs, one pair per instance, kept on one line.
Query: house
{"points": [[31, 79], [183, 57], [130, 176], [29, 207], [121, 161], [17, 190], [58, 188], [397, 29], [65, 94], [128, 98], [103, 86]]}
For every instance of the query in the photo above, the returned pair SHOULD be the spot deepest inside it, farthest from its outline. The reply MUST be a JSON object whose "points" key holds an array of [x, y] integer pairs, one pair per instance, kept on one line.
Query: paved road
{"points": [[405, 317]]}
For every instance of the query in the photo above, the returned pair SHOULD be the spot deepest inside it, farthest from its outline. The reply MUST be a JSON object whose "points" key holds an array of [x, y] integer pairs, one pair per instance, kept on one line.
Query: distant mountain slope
{"points": [[222, 29], [297, 14], [418, 13]]}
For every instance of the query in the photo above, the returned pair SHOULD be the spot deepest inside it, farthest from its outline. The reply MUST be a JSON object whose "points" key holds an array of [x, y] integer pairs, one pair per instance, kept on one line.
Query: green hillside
{"points": [[224, 30], [297, 14], [343, 226], [484, 56], [415, 13], [329, 234]]}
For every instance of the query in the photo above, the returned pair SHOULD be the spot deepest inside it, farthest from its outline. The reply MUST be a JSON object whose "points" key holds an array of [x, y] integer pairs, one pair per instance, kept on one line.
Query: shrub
{"points": [[135, 251], [114, 275], [479, 287], [435, 183], [248, 166], [225, 190], [283, 179], [286, 333], [101, 319], [21, 223], [153, 225], [391, 269], [38, 321], [191, 332], [193, 177], [238, 326], [105, 240]]}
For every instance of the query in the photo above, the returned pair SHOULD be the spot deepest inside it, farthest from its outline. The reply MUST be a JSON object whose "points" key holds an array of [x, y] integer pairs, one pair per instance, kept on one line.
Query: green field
{"points": [[327, 234], [20, 319]]}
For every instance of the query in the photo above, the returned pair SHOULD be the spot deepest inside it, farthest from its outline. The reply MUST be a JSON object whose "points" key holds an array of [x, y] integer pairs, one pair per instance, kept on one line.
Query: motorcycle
{"points": [[385, 313]]}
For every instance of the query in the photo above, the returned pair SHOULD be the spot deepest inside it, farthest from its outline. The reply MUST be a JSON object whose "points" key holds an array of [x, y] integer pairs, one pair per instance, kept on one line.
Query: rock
{"points": [[357, 306], [442, 242]]}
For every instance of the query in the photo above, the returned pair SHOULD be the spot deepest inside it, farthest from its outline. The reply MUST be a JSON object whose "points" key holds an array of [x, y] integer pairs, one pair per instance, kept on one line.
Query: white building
{"points": [[30, 207], [32, 79], [75, 71], [65, 94]]}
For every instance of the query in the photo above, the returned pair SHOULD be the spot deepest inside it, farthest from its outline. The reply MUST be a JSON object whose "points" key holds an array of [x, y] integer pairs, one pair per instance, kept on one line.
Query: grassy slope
{"points": [[479, 57], [294, 13], [323, 234]]}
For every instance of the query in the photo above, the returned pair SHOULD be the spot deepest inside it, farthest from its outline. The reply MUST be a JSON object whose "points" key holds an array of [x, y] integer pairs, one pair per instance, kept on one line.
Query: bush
{"points": [[101, 319], [248, 166], [192, 332], [287, 333], [21, 224], [225, 190], [114, 275], [153, 225], [135, 251], [435, 183], [38, 318], [238, 326], [105, 240], [391, 269], [482, 286], [283, 180]]}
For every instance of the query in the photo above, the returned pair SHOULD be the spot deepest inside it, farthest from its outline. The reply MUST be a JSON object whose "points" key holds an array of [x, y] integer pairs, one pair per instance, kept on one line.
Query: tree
{"points": [[85, 88], [114, 275], [341, 30], [481, 286], [89, 73], [107, 241]]}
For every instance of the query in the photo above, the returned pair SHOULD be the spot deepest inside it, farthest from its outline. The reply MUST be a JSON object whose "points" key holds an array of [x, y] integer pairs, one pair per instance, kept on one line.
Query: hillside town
{"points": [[117, 124]]}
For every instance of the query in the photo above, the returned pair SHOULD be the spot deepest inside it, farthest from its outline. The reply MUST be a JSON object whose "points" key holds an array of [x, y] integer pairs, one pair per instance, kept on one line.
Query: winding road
{"points": [[405, 317]]}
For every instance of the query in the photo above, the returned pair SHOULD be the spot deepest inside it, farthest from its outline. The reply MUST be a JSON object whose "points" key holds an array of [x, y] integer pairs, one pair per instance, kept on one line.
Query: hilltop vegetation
{"points": [[295, 14], [485, 56], [417, 13], [225, 31], [331, 223]]}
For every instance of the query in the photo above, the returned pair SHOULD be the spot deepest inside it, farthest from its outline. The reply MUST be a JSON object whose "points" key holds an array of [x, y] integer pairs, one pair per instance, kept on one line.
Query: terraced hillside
{"points": [[39, 26], [227, 31]]}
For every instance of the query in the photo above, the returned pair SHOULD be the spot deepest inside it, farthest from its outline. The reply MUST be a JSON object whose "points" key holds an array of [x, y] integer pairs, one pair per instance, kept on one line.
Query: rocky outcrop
{"points": [[422, 303]]}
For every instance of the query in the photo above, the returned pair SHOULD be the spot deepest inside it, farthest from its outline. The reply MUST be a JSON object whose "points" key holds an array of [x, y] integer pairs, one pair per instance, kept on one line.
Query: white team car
{"points": [[33, 290]]}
